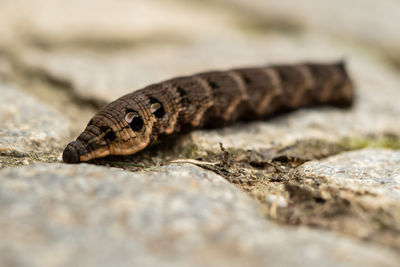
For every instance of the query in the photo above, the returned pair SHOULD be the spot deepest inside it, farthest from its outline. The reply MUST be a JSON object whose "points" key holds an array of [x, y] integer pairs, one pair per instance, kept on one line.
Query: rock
{"points": [[93, 75], [366, 22], [182, 215], [107, 76], [5, 68], [105, 24], [373, 171], [177, 215], [27, 125]]}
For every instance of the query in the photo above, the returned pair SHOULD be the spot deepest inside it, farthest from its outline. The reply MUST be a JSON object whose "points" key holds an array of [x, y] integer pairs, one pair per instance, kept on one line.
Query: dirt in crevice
{"points": [[269, 176], [314, 202], [260, 174], [14, 160], [266, 175], [230, 162], [326, 206], [227, 162]]}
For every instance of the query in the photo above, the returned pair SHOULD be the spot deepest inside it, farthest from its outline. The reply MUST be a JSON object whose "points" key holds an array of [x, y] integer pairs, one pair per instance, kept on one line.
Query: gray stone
{"points": [[5, 68], [368, 22], [101, 76], [104, 24], [107, 76], [178, 215], [27, 125], [373, 171]]}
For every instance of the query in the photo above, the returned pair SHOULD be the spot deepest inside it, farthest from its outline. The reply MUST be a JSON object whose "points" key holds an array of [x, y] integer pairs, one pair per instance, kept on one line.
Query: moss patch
{"points": [[26, 159]]}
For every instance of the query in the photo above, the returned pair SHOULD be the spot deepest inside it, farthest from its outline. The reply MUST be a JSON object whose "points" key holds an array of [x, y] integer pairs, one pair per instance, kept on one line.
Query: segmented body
{"points": [[210, 99]]}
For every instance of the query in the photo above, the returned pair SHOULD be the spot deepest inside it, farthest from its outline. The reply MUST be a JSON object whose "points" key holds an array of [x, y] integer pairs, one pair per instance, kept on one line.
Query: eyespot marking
{"points": [[284, 74], [181, 91], [213, 85], [104, 128], [109, 133], [183, 96], [134, 120], [246, 79], [205, 98], [156, 107]]}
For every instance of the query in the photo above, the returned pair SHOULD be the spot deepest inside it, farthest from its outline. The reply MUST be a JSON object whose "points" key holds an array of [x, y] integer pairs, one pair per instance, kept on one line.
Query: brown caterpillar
{"points": [[210, 99]]}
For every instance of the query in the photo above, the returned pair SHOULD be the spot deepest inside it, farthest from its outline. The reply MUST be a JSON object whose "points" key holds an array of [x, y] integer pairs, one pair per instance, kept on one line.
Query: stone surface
{"points": [[27, 125], [370, 170], [178, 215], [105, 23], [181, 215], [367, 22], [5, 68], [46, 22], [107, 76]]}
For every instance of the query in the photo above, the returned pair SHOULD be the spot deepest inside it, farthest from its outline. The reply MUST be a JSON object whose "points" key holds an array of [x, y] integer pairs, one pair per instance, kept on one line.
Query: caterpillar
{"points": [[209, 99]]}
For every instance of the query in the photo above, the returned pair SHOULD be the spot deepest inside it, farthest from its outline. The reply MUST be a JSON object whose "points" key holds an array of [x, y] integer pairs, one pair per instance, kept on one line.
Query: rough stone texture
{"points": [[5, 68], [105, 23], [27, 125], [365, 21], [370, 170], [107, 76], [178, 215]]}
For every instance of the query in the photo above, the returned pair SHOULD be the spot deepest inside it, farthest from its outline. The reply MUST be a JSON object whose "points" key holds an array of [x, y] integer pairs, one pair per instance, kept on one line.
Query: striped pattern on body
{"points": [[210, 99]]}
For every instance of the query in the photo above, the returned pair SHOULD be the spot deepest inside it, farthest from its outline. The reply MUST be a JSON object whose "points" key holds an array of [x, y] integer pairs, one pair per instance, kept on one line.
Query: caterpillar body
{"points": [[210, 99]]}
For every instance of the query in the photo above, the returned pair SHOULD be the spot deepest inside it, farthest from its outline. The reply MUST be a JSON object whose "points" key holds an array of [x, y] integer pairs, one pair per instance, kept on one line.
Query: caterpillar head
{"points": [[117, 129]]}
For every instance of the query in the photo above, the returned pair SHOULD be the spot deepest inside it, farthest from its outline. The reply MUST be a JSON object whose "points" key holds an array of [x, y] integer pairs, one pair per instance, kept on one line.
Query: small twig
{"points": [[225, 155], [274, 206], [193, 161]]}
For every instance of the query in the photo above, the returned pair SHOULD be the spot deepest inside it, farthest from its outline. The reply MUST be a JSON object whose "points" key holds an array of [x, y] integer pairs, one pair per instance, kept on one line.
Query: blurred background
{"points": [[76, 55], [98, 50]]}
